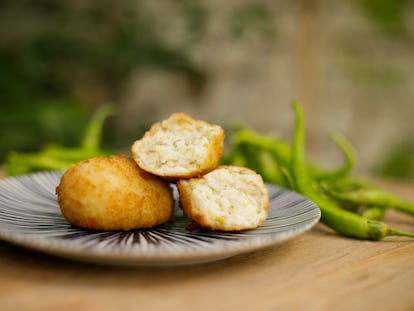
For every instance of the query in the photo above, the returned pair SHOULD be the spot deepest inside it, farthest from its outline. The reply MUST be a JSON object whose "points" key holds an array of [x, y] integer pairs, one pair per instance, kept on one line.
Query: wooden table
{"points": [[318, 270]]}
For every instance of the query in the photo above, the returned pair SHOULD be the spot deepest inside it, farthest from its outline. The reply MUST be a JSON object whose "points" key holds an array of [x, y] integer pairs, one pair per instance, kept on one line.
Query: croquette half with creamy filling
{"points": [[179, 147], [229, 198]]}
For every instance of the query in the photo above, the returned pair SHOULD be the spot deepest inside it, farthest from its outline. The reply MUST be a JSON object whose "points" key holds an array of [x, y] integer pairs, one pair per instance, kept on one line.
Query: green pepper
{"points": [[341, 172], [374, 197]]}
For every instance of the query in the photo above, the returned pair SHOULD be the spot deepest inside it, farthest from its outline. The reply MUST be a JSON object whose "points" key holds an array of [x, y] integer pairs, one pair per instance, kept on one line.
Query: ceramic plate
{"points": [[30, 217]]}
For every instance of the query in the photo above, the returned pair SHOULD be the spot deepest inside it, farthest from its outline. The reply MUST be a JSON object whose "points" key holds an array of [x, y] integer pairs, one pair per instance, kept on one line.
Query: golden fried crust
{"points": [[113, 194], [179, 148], [186, 205]]}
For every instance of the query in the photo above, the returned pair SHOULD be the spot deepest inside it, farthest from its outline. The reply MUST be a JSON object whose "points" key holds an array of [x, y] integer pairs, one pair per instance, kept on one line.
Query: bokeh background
{"points": [[350, 63]]}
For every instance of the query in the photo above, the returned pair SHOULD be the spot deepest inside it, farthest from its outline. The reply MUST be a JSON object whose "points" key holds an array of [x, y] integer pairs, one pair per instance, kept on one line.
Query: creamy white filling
{"points": [[178, 147]]}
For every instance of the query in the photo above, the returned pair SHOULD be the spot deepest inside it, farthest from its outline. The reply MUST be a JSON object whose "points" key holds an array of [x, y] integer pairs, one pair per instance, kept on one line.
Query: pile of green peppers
{"points": [[350, 206]]}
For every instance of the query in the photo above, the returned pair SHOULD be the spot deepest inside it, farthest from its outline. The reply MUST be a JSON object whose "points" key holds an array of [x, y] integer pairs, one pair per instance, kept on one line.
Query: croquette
{"points": [[113, 193]]}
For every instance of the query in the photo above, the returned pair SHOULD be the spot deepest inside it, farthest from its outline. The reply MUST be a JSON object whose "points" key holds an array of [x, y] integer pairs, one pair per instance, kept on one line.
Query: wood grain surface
{"points": [[318, 270]]}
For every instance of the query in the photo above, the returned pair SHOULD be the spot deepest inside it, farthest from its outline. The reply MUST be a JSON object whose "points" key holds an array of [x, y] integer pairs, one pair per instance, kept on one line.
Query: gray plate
{"points": [[30, 217]]}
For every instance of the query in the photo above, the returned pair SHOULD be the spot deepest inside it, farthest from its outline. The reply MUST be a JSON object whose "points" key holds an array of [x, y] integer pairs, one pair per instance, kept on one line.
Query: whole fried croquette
{"points": [[113, 193], [179, 147], [229, 198]]}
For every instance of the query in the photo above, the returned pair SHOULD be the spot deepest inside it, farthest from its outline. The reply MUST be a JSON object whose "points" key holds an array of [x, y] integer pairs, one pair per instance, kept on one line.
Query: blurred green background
{"points": [[350, 64]]}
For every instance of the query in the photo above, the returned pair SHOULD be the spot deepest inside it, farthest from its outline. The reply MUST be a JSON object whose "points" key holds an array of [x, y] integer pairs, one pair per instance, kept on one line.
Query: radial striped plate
{"points": [[30, 217]]}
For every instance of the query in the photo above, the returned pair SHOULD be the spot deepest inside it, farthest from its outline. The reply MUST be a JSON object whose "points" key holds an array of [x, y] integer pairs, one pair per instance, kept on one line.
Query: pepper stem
{"points": [[400, 233]]}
